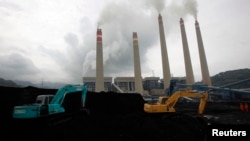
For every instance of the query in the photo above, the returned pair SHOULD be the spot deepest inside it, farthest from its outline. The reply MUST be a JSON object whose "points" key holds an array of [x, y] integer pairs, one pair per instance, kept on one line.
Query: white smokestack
{"points": [[164, 54], [187, 59], [203, 61], [137, 65]]}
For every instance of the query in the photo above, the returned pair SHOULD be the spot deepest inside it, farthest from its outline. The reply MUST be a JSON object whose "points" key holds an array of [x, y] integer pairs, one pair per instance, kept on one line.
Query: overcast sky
{"points": [[55, 40]]}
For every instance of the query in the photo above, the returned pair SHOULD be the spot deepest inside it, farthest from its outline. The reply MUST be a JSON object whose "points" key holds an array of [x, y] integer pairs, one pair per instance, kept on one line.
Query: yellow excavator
{"points": [[167, 103]]}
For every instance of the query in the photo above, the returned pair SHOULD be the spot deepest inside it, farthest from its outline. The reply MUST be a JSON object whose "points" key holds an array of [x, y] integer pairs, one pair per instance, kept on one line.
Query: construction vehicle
{"points": [[167, 103], [48, 104], [52, 104], [107, 114], [44, 99]]}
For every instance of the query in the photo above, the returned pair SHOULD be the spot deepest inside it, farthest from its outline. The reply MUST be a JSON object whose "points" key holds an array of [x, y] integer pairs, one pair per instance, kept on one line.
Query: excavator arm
{"points": [[172, 100], [168, 105]]}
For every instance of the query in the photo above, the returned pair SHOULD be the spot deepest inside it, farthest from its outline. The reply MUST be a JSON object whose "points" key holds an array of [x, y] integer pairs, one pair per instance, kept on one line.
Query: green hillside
{"points": [[232, 76], [7, 83]]}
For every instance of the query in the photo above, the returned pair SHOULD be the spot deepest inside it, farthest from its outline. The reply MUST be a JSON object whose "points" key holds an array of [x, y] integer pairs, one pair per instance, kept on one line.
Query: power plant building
{"points": [[91, 83], [150, 83], [127, 84], [137, 84]]}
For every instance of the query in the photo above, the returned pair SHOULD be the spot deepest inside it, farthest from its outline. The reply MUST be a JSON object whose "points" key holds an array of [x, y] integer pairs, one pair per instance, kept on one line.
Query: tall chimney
{"points": [[203, 61], [99, 63], [164, 54], [137, 66], [187, 59]]}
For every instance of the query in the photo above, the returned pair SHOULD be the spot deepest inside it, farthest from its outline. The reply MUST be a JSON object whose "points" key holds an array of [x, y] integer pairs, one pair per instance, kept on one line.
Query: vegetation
{"points": [[7, 83], [232, 76]]}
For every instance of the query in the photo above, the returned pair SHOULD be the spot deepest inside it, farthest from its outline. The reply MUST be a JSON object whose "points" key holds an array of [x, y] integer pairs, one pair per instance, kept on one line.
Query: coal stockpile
{"points": [[112, 116], [114, 103]]}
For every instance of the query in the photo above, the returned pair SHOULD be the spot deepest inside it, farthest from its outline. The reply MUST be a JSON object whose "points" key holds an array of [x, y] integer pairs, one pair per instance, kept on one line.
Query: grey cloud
{"points": [[75, 56], [17, 66], [71, 61]]}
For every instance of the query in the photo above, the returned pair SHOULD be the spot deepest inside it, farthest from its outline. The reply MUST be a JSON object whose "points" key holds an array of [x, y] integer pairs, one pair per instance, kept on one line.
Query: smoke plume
{"points": [[118, 20], [159, 5], [191, 7]]}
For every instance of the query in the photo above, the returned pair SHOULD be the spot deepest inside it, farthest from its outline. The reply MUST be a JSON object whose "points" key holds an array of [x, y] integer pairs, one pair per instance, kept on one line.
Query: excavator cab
{"points": [[163, 99]]}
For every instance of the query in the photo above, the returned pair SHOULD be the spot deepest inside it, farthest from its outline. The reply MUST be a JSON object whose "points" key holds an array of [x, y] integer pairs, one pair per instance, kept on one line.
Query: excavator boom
{"points": [[167, 104]]}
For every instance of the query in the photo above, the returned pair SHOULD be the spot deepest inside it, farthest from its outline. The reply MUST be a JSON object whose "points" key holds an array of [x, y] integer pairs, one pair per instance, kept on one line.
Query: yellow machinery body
{"points": [[167, 104]]}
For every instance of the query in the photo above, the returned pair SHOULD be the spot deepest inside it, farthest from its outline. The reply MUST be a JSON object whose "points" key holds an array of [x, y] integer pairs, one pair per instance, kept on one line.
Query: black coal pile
{"points": [[108, 116]]}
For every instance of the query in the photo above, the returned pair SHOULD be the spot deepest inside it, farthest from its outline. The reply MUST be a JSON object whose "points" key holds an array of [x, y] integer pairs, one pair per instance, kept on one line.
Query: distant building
{"points": [[180, 80], [108, 84], [150, 83], [127, 84], [91, 82]]}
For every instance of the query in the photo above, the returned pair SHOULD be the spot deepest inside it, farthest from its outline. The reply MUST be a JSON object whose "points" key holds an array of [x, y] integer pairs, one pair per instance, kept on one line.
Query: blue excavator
{"points": [[48, 104]]}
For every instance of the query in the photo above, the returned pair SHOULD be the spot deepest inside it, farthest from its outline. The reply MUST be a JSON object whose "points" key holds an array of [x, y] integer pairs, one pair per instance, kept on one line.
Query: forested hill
{"points": [[7, 83], [232, 76]]}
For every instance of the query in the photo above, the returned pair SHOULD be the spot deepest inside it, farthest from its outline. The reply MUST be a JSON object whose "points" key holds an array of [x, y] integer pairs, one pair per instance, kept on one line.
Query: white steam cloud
{"points": [[182, 8], [119, 20], [159, 5], [191, 7]]}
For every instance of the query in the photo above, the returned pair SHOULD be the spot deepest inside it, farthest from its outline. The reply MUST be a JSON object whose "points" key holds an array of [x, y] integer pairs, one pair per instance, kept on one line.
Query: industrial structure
{"points": [[203, 61], [164, 54], [137, 65], [127, 84], [91, 82], [99, 63], [187, 59], [148, 85]]}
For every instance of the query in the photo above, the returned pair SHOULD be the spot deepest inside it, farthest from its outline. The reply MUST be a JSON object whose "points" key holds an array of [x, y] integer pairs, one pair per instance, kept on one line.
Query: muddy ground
{"points": [[120, 122]]}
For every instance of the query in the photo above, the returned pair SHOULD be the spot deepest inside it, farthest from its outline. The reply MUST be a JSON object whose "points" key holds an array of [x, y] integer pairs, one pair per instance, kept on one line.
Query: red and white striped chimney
{"points": [[99, 63]]}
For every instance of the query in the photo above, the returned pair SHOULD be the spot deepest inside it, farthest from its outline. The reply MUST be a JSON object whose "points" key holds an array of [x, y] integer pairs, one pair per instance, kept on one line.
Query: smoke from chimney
{"points": [[159, 5], [191, 7], [121, 18]]}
